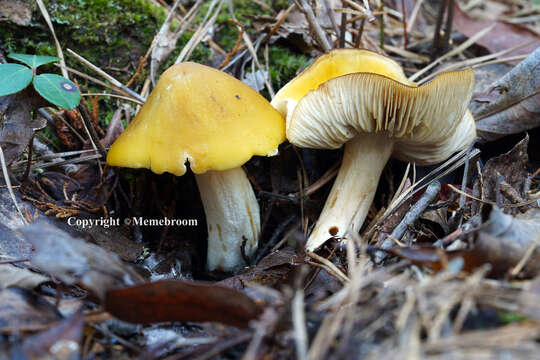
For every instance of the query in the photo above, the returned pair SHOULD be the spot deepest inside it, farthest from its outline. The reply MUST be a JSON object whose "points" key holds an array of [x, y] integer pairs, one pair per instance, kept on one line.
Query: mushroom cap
{"points": [[336, 63], [427, 123], [202, 115]]}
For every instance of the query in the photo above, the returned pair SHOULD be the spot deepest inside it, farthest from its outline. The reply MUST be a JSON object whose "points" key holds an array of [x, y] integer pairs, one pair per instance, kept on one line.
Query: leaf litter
{"points": [[459, 277]]}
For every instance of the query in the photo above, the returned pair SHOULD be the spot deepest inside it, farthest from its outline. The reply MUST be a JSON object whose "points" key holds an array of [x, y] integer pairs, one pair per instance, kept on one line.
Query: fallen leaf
{"points": [[21, 311], [511, 166], [74, 261], [512, 103], [529, 299], [175, 300], [60, 341], [17, 11], [16, 124], [503, 240], [436, 258], [271, 269], [12, 244], [503, 36], [12, 276]]}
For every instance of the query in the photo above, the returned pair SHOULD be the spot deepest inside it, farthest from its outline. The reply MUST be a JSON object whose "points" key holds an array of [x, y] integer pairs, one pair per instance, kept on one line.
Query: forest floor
{"points": [[459, 273]]}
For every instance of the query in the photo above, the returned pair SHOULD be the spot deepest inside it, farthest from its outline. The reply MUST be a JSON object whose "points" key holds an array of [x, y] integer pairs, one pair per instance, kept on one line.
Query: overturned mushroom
{"points": [[363, 99], [215, 122]]}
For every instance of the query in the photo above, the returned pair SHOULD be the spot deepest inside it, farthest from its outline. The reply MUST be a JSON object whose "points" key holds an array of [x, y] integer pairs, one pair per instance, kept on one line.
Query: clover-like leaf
{"points": [[57, 90], [14, 78], [33, 60]]}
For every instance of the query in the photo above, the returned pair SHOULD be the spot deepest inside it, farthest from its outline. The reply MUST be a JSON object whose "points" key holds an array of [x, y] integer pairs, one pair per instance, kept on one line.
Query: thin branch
{"points": [[9, 187], [318, 32], [412, 215]]}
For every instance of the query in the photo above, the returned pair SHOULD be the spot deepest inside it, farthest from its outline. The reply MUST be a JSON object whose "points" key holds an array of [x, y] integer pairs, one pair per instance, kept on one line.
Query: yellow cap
{"points": [[334, 64], [202, 115], [350, 91]]}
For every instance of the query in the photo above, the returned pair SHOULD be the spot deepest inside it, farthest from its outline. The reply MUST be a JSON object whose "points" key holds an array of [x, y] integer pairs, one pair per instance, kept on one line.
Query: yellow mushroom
{"points": [[216, 123], [363, 99]]}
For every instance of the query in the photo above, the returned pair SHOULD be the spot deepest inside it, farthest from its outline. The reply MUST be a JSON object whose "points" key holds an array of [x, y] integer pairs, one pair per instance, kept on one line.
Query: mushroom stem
{"points": [[232, 216], [347, 205]]}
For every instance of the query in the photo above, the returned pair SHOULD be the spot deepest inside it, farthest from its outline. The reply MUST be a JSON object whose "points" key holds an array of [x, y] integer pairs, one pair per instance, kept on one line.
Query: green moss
{"points": [[510, 317], [227, 32], [49, 136], [285, 64]]}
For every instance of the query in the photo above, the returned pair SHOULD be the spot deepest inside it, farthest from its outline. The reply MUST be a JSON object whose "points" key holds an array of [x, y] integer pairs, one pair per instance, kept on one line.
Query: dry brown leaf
{"points": [[512, 103], [74, 261], [176, 300], [23, 310], [12, 276], [503, 241], [60, 342], [503, 36], [510, 167], [17, 11]]}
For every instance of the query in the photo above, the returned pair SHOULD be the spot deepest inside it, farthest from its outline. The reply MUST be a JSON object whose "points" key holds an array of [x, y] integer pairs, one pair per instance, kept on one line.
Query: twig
{"points": [[142, 62], [447, 167], [342, 29], [329, 266], [519, 266], [299, 319], [330, 15], [436, 44], [106, 76], [47, 18], [9, 187], [465, 175], [236, 47], [97, 81], [453, 52], [318, 32], [201, 32], [414, 15], [448, 25], [381, 27], [404, 17], [275, 236], [29, 161], [278, 23], [358, 41], [414, 213], [477, 61], [91, 131], [127, 98]]}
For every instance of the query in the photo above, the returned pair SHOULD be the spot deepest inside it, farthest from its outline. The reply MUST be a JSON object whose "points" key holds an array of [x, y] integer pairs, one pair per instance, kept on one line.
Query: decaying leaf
{"points": [[22, 310], [17, 11], [270, 270], [74, 261], [503, 240], [512, 103], [509, 168], [61, 341], [175, 300], [503, 36], [16, 125], [13, 245], [530, 299], [12, 276]]}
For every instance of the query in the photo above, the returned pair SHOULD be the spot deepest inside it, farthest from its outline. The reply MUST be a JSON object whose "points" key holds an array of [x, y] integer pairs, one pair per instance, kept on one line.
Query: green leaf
{"points": [[14, 78], [57, 90], [33, 60]]}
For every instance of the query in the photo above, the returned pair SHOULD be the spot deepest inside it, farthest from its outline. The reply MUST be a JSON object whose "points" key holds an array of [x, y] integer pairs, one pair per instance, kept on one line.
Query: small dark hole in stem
{"points": [[333, 230]]}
